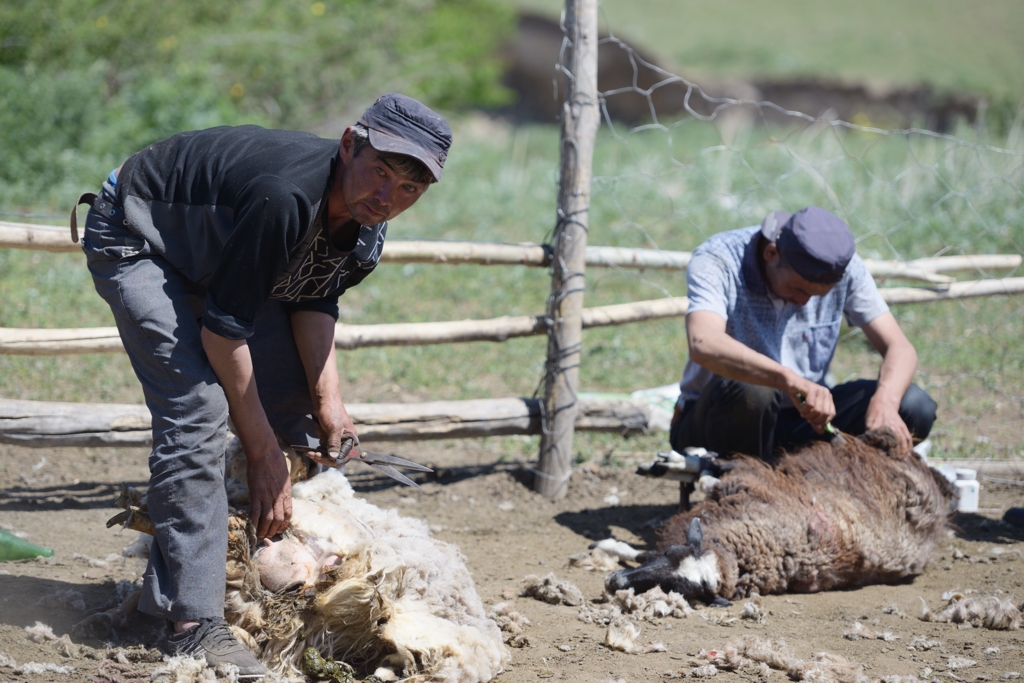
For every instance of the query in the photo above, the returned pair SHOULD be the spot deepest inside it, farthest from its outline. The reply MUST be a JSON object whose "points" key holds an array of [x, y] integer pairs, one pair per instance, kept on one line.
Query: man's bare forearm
{"points": [[723, 355], [314, 338], [711, 347], [232, 363], [715, 350], [270, 493], [899, 358]]}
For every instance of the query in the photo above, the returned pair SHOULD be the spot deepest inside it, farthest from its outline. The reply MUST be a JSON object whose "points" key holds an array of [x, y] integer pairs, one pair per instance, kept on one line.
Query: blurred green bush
{"points": [[87, 82]]}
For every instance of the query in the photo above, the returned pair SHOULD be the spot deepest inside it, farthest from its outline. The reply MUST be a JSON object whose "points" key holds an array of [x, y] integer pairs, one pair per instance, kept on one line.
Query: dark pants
{"points": [[735, 417], [159, 316]]}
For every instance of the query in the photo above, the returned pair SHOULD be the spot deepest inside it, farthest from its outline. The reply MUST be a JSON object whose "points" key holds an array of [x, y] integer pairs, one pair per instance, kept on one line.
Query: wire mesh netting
{"points": [[675, 164]]}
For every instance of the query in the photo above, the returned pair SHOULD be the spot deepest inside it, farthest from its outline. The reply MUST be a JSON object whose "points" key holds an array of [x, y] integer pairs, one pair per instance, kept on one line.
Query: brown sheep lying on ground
{"points": [[824, 517]]}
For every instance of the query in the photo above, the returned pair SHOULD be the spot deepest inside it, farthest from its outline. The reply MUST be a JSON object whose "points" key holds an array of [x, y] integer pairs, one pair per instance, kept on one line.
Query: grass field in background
{"points": [[904, 197], [950, 44]]}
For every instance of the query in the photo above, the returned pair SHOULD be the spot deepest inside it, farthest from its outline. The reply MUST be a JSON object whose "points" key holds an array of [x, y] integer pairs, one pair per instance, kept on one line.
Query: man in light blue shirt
{"points": [[765, 309]]}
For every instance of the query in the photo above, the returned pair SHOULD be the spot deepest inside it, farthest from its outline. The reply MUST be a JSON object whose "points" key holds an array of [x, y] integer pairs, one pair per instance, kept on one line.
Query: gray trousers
{"points": [[159, 316], [731, 416]]}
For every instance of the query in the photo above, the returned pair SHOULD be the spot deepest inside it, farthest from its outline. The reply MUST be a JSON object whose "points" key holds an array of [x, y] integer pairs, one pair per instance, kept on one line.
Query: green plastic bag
{"points": [[14, 548]]}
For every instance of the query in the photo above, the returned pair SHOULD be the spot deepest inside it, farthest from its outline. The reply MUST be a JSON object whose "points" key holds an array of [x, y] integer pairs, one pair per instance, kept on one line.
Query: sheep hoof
{"points": [[720, 602]]}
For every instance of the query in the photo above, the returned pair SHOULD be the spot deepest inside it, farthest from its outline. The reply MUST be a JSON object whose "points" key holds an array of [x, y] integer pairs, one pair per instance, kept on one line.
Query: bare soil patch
{"points": [[507, 533]]}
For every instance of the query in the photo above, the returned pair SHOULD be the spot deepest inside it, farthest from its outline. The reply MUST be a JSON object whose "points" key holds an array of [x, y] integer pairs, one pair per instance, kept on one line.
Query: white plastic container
{"points": [[968, 488]]}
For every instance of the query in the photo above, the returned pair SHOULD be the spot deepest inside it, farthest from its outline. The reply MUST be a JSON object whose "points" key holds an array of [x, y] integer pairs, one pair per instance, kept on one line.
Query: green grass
{"points": [[668, 187], [904, 196], [950, 44]]}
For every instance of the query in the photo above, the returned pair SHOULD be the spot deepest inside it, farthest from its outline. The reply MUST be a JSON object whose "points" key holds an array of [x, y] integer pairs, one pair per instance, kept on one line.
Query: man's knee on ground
{"points": [[918, 410], [757, 399], [733, 394]]}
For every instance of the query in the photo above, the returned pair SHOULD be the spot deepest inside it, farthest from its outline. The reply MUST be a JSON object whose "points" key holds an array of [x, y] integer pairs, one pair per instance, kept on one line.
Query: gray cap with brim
{"points": [[815, 243], [401, 125]]}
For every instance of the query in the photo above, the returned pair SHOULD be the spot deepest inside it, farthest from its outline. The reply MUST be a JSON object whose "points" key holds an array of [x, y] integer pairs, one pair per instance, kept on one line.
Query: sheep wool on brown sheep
{"points": [[822, 518]]}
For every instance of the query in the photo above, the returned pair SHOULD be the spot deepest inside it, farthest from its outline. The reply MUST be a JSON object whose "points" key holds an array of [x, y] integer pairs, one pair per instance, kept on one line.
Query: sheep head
{"points": [[687, 569]]}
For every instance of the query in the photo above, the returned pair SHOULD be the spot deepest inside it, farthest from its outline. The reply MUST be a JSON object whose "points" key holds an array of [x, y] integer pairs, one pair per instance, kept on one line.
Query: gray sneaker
{"points": [[212, 639]]}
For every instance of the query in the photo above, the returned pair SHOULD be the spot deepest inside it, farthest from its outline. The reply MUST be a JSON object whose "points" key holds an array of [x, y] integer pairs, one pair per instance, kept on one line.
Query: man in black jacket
{"points": [[222, 254]]}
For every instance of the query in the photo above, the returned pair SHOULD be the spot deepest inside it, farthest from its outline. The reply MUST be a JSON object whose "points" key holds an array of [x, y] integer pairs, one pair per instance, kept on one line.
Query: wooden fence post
{"points": [[580, 120]]}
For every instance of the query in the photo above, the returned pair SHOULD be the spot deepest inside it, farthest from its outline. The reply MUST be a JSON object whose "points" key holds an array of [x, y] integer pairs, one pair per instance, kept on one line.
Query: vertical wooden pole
{"points": [[580, 120]]}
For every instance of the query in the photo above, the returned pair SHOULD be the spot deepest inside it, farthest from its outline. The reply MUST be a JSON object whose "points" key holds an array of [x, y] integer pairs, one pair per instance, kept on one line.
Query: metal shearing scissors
{"points": [[385, 464]]}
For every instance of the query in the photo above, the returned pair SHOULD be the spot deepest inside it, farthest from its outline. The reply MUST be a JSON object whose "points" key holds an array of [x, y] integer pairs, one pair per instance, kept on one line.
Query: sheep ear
{"points": [[695, 535]]}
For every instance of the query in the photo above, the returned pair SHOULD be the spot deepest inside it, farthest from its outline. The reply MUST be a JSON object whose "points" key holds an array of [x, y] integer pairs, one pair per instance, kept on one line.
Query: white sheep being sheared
{"points": [[360, 584], [381, 593]]}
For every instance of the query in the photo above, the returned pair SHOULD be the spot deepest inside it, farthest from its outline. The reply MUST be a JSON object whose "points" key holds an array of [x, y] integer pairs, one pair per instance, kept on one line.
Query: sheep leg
{"points": [[104, 625], [618, 549], [133, 518], [685, 489]]}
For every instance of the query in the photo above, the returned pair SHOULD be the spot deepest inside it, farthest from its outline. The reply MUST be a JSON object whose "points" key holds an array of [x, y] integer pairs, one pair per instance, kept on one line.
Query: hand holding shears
{"points": [[385, 464]]}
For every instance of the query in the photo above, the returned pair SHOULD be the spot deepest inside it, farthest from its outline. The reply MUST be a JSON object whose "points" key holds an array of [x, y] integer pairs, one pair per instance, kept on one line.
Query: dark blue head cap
{"points": [[815, 243], [402, 125]]}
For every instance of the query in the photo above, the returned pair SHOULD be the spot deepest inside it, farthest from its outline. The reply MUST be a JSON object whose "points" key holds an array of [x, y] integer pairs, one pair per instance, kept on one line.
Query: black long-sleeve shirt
{"points": [[243, 211]]}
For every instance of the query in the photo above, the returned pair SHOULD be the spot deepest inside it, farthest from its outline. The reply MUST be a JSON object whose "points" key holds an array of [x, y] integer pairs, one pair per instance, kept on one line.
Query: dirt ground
{"points": [[61, 498]]}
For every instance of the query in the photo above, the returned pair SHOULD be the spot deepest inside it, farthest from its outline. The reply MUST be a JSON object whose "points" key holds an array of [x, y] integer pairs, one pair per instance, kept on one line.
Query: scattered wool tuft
{"points": [[859, 632], [508, 619], [189, 670], [7, 661], [622, 635], [991, 612], [706, 671], [111, 672], [64, 646], [40, 632], [922, 643], [91, 561], [753, 610], [823, 666], [957, 662], [593, 614], [183, 670], [552, 591], [652, 603], [37, 669]]}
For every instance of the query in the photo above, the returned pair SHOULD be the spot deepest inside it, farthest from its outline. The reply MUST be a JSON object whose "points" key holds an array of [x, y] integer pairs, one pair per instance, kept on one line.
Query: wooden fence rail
{"points": [[46, 342], [42, 424], [56, 239]]}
